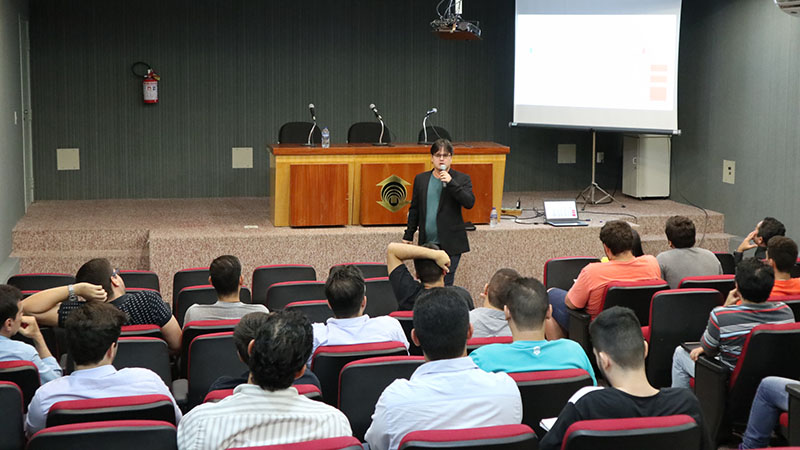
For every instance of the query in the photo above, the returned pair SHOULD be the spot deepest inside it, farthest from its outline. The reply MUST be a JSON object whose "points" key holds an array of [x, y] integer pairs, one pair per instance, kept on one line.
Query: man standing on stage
{"points": [[436, 206]]}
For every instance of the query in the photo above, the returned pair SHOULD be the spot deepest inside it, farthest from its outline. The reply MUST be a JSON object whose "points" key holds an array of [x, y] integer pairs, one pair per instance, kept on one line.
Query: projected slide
{"points": [[609, 64]]}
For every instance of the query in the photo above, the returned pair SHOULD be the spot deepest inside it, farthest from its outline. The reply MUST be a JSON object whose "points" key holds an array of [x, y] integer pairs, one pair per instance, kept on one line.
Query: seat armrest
{"points": [[579, 328], [794, 414], [180, 390], [711, 388]]}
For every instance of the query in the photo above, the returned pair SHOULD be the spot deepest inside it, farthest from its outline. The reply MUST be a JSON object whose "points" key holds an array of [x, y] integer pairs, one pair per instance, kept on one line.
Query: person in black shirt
{"points": [[620, 350]]}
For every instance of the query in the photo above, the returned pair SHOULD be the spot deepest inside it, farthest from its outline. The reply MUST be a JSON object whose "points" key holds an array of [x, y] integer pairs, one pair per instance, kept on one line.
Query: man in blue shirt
{"points": [[12, 322], [526, 310]]}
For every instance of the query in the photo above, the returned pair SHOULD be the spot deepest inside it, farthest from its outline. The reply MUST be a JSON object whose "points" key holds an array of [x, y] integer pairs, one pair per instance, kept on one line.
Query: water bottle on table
{"points": [[493, 218], [326, 138]]}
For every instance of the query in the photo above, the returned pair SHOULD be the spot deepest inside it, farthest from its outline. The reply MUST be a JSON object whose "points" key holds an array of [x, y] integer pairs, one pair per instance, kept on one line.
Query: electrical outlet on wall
{"points": [[728, 171]]}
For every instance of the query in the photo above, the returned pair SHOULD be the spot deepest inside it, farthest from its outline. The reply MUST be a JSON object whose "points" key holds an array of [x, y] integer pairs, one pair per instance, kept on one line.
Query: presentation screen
{"points": [[597, 64]]}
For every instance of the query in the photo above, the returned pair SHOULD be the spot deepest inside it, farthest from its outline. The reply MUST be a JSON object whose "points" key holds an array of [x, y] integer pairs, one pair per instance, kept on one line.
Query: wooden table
{"points": [[371, 185]]}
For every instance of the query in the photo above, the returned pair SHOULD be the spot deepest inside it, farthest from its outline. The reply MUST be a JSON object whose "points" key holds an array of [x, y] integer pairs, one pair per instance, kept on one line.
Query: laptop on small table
{"points": [[562, 213]]}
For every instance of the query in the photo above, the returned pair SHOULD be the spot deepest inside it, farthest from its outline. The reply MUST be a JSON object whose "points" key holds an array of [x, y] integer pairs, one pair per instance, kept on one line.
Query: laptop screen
{"points": [[560, 209]]}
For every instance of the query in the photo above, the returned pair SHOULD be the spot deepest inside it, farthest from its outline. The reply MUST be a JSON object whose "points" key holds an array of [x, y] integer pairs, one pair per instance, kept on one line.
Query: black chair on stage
{"points": [[434, 133], [367, 132], [297, 133]]}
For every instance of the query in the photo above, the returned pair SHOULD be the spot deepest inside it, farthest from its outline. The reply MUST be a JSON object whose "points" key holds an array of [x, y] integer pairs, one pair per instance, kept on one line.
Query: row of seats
{"points": [[359, 132]]}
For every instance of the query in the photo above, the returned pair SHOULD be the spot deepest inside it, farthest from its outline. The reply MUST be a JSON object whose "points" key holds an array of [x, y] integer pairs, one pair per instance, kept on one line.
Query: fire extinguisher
{"points": [[149, 83]]}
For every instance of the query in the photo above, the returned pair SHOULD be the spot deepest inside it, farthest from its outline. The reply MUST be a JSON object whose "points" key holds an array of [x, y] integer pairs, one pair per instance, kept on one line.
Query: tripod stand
{"points": [[589, 194]]}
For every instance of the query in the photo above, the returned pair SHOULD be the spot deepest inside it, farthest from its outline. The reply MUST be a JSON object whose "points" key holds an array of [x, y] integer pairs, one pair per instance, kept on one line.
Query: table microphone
{"points": [[314, 125], [431, 112], [443, 168], [383, 126], [313, 114]]}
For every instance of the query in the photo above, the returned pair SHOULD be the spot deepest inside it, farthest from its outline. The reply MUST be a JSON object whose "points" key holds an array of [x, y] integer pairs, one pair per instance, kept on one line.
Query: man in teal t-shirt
{"points": [[526, 309]]}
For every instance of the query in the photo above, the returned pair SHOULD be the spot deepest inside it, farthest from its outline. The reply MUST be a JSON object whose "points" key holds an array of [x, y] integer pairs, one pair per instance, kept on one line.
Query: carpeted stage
{"points": [[165, 235]]}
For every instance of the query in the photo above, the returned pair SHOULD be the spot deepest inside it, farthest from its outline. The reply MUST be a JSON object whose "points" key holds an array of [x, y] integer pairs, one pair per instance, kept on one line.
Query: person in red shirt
{"points": [[782, 256], [587, 292]]}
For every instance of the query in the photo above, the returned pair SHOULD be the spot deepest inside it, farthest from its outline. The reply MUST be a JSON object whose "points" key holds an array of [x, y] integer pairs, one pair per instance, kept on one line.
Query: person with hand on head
{"points": [[438, 197], [759, 238], [12, 322], [52, 307], [488, 318], [729, 325], [430, 264]]}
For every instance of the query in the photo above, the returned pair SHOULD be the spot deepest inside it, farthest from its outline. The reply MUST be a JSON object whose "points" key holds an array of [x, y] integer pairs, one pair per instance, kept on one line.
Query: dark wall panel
{"points": [[234, 70]]}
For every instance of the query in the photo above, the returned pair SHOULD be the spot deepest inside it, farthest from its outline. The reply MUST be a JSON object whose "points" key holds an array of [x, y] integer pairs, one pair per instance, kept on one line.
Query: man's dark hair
{"points": [[618, 333], [9, 302], [754, 280], [426, 269], [91, 329], [441, 144], [680, 231], [527, 303], [617, 236], [96, 271], [783, 251], [225, 272], [246, 330], [345, 289], [441, 323], [282, 347], [769, 228], [497, 291], [636, 248]]}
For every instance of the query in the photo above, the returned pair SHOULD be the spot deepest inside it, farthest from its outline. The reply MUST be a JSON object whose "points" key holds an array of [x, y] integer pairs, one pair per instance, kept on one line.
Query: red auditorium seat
{"points": [[562, 272], [114, 434], [147, 352], [545, 393], [722, 283], [210, 357], [727, 262], [266, 276], [203, 294], [136, 407], [406, 319], [281, 294], [308, 390], [651, 433], [793, 301], [195, 276], [474, 343], [153, 331], [339, 443], [11, 409], [380, 297], [791, 420], [317, 311], [24, 374], [40, 281], [503, 437], [198, 328], [140, 279]]}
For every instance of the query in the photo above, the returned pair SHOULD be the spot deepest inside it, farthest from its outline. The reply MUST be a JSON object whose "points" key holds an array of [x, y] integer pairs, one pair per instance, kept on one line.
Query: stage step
{"points": [[31, 241], [71, 261]]}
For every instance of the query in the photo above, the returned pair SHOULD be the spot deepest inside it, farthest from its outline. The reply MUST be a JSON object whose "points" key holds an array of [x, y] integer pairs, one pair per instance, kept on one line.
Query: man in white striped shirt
{"points": [[266, 410]]}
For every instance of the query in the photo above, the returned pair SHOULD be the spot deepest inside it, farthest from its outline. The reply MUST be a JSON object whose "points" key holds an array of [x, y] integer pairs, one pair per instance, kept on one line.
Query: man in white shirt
{"points": [[92, 333], [225, 274], [346, 293], [12, 322], [266, 410], [449, 391]]}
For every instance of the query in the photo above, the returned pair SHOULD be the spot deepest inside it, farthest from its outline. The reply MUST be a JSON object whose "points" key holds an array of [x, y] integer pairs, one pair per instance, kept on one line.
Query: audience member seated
{"points": [[52, 306], [636, 249], [12, 322], [449, 391], [430, 264], [587, 292], [225, 274], [488, 319], [620, 350], [729, 325], [92, 332], [526, 309], [246, 331], [266, 410], [759, 238], [346, 294], [771, 400], [782, 256], [684, 259]]}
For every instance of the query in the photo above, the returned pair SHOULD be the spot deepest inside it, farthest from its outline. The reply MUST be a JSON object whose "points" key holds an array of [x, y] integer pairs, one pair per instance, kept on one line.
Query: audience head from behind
{"points": [[245, 331], [619, 345], [526, 305], [428, 272], [617, 238], [680, 232], [92, 332], [346, 291], [767, 229], [754, 281], [496, 291], [278, 354], [782, 254], [99, 271], [225, 274], [441, 324], [10, 310]]}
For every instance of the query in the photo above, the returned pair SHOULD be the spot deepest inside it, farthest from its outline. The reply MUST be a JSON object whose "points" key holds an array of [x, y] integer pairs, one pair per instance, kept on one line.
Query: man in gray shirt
{"points": [[225, 274], [488, 319], [684, 259]]}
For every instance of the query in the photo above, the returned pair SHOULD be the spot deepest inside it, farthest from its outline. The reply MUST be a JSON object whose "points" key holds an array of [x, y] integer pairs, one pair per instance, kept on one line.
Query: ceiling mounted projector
{"points": [[451, 26]]}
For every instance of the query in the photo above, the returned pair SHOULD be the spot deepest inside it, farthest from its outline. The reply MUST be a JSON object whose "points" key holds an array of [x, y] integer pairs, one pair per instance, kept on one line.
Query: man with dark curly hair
{"points": [[266, 410]]}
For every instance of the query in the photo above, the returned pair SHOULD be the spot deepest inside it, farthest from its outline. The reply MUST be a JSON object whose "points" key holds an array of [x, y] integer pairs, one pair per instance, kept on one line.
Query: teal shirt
{"points": [[532, 356], [434, 193]]}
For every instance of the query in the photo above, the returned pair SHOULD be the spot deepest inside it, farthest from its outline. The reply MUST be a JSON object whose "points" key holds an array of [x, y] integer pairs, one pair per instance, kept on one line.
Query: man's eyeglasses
{"points": [[443, 155]]}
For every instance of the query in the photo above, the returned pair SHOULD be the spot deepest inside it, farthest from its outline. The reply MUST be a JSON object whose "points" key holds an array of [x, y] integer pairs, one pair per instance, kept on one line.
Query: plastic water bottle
{"points": [[326, 138], [493, 218]]}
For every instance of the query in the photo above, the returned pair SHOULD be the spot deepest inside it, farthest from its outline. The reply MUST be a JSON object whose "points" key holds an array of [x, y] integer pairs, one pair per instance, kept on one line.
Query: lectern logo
{"points": [[393, 193]]}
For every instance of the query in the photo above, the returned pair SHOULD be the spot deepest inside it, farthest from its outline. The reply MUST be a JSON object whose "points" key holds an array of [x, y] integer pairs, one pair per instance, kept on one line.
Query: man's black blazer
{"points": [[449, 221]]}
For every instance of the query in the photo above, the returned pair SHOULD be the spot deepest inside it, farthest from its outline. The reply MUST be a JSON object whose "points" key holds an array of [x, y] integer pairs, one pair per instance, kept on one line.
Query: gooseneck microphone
{"points": [[443, 168], [383, 126], [314, 125], [430, 112]]}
